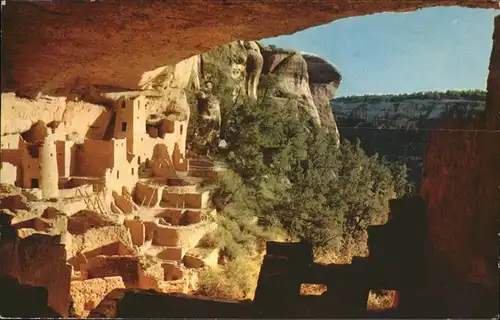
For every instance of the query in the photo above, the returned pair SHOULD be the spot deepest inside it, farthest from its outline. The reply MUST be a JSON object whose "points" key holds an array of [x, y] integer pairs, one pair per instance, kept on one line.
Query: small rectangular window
{"points": [[34, 183], [117, 174], [182, 128], [132, 171], [123, 104], [124, 126]]}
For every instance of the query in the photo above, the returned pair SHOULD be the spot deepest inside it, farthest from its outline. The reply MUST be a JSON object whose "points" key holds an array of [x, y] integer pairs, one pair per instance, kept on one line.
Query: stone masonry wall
{"points": [[39, 260]]}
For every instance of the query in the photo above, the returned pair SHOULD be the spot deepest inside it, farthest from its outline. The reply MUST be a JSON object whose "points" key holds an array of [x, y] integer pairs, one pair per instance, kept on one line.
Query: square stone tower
{"points": [[130, 121]]}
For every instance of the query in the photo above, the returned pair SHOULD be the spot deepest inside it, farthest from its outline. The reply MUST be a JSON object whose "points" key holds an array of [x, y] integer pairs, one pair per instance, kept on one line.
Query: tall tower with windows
{"points": [[130, 121]]}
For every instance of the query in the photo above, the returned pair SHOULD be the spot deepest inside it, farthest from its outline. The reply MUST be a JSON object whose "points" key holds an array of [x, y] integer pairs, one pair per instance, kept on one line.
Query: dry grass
{"points": [[237, 280], [343, 257]]}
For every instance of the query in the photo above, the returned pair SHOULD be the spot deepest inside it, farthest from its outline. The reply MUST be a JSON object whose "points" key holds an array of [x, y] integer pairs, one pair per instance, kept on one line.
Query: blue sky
{"points": [[431, 49]]}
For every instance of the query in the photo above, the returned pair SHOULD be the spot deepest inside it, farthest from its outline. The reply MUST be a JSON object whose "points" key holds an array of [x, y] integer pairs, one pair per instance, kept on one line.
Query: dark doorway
{"points": [[124, 126], [34, 183]]}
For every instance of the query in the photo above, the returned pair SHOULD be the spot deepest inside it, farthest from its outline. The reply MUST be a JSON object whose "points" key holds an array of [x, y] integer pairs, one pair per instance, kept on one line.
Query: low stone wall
{"points": [[14, 202], [85, 220], [185, 200], [192, 216], [176, 182], [85, 189], [150, 228], [180, 217], [180, 189], [75, 182], [109, 240], [204, 163], [54, 226], [207, 174], [98, 237], [172, 216], [171, 253], [137, 231], [69, 206], [87, 294], [186, 237], [127, 267], [146, 194], [201, 257], [39, 260], [124, 203], [172, 272]]}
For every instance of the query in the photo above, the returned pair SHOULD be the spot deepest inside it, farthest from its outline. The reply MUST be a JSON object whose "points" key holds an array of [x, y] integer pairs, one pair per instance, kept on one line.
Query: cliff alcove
{"points": [[118, 44]]}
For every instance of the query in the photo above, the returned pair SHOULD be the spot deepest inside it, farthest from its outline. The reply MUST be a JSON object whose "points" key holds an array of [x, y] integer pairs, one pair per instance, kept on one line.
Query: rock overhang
{"points": [[53, 47]]}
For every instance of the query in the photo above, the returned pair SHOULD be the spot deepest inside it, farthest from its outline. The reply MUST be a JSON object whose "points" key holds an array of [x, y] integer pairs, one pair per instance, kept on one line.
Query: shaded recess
{"points": [[117, 41]]}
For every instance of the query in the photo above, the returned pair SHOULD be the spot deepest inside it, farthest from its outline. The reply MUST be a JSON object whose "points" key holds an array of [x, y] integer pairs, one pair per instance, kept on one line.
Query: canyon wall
{"points": [[398, 127], [460, 184], [53, 46]]}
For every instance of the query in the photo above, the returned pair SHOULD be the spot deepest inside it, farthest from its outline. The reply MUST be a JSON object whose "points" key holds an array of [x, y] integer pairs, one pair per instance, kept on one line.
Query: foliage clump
{"points": [[236, 280], [301, 181]]}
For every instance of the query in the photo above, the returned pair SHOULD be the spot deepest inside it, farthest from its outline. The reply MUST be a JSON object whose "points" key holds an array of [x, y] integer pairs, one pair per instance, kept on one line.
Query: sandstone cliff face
{"points": [[324, 79], [233, 68], [299, 83], [78, 119], [285, 80], [86, 110], [48, 46]]}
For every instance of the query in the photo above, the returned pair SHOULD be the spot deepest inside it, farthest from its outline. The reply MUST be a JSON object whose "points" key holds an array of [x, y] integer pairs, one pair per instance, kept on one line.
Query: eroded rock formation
{"points": [[324, 79], [52, 46], [233, 69], [286, 82], [207, 123], [296, 82]]}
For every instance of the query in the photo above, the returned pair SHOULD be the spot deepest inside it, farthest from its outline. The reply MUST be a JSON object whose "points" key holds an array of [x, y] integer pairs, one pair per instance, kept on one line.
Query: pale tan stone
{"points": [[25, 232], [137, 231], [87, 294], [201, 257]]}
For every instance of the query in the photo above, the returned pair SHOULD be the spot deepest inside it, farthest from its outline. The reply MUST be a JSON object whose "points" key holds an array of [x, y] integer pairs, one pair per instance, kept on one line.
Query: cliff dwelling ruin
{"points": [[105, 203], [109, 200]]}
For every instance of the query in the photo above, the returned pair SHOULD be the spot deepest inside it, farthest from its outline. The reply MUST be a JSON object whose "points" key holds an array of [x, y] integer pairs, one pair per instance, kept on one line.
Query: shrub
{"points": [[236, 280]]}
